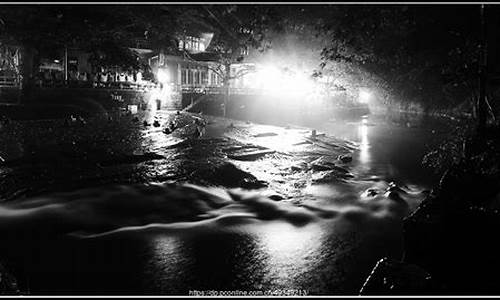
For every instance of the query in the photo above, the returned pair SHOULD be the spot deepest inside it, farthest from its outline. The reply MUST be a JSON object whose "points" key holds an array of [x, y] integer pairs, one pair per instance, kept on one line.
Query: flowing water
{"points": [[344, 229]]}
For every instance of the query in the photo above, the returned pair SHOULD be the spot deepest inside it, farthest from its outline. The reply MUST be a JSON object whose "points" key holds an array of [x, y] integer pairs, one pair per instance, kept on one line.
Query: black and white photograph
{"points": [[249, 149]]}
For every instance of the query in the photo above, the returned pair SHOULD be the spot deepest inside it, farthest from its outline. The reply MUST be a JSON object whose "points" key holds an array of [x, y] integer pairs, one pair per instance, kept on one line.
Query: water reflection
{"points": [[166, 265], [269, 256], [364, 153], [290, 252], [165, 252]]}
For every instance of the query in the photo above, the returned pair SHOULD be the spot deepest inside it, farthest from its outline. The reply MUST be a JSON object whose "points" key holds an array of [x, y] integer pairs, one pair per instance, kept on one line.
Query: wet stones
{"points": [[330, 176], [250, 156], [246, 152], [131, 159], [170, 127], [396, 197], [319, 167], [321, 164], [265, 134], [227, 174], [273, 195], [371, 192], [342, 171], [344, 158], [299, 167], [324, 164]]}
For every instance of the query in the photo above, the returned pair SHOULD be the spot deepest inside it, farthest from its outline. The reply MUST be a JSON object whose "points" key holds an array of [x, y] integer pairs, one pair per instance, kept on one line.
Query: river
{"points": [[330, 256]]}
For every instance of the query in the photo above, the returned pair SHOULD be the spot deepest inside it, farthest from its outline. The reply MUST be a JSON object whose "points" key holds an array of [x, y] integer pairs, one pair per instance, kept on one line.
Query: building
{"points": [[192, 68]]}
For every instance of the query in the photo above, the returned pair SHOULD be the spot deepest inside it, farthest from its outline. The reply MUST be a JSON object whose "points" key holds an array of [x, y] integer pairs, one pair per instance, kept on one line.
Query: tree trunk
{"points": [[227, 77], [27, 69], [481, 105]]}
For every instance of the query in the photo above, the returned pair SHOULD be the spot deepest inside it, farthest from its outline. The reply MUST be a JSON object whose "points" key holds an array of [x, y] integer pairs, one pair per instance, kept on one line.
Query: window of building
{"points": [[190, 76], [215, 79], [196, 43], [244, 50], [195, 77], [212, 79], [183, 76], [204, 77], [191, 43]]}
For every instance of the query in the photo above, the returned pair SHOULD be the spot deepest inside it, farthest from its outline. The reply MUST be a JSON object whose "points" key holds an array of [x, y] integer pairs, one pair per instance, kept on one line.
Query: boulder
{"points": [[249, 156], [273, 195], [322, 164], [228, 175], [265, 134], [345, 158], [300, 166]]}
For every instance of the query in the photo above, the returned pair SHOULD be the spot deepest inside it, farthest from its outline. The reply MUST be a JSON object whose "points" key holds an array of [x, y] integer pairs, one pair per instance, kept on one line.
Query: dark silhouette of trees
{"points": [[428, 54], [104, 30]]}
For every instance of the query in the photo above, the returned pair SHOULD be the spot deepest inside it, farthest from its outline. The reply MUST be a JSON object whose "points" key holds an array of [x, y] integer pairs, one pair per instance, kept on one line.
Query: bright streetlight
{"points": [[365, 96]]}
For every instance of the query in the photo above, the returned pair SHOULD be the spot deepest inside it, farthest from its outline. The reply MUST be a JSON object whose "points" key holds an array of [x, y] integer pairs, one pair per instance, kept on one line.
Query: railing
{"points": [[9, 81], [200, 89], [122, 85]]}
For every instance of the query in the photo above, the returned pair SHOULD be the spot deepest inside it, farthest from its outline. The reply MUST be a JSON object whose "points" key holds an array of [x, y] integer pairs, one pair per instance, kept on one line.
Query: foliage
{"points": [[450, 152], [105, 31], [463, 148], [426, 54]]}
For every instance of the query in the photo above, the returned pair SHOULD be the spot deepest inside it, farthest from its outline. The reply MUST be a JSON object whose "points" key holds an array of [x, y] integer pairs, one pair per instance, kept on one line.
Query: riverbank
{"points": [[450, 236]]}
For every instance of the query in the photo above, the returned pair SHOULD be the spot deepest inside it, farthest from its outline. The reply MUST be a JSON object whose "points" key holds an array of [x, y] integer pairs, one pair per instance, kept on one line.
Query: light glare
{"points": [[162, 76], [365, 96], [281, 83]]}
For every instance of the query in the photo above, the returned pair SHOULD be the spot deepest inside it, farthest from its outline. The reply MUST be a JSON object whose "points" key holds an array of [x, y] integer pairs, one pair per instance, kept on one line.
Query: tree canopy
{"points": [[427, 54]]}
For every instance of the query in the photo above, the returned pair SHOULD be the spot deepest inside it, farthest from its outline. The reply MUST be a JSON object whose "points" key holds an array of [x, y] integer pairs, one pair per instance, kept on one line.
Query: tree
{"points": [[427, 54], [106, 31]]}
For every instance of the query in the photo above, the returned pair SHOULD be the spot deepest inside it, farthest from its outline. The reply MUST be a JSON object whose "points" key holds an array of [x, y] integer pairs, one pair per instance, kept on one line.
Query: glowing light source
{"points": [[162, 76], [365, 96], [364, 152], [278, 82]]}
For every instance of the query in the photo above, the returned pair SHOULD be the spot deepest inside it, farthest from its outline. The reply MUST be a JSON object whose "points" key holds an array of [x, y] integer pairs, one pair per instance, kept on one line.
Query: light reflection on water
{"points": [[290, 251], [164, 265], [364, 148], [388, 151], [267, 256]]}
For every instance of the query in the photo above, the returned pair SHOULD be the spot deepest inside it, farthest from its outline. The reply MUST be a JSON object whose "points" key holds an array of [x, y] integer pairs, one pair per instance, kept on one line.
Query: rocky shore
{"points": [[450, 243]]}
